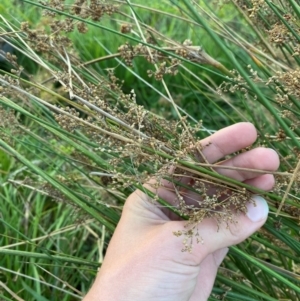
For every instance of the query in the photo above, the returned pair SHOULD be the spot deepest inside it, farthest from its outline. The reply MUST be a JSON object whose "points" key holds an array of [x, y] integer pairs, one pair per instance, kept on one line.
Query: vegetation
{"points": [[100, 96]]}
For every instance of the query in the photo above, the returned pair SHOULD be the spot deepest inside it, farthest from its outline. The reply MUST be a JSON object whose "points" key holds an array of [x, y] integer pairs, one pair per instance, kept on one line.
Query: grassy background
{"points": [[51, 243]]}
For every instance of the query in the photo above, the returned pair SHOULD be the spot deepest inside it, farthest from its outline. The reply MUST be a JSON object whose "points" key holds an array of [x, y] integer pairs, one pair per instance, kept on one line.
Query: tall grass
{"points": [[99, 97]]}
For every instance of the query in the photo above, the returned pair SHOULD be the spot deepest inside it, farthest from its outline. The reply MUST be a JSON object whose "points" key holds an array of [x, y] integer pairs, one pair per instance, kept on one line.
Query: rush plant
{"points": [[102, 96]]}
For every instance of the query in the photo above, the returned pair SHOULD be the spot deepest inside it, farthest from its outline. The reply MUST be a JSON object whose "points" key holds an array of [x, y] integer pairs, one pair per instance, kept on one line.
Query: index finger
{"points": [[228, 140]]}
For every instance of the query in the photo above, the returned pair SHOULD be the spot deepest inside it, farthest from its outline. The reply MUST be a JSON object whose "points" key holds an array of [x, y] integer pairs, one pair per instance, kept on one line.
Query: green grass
{"points": [[57, 215]]}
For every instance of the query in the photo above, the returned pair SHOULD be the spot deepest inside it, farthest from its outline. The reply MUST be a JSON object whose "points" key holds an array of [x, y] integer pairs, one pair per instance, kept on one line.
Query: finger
{"points": [[222, 143], [264, 182], [259, 158], [215, 237], [228, 141], [207, 275], [255, 159]]}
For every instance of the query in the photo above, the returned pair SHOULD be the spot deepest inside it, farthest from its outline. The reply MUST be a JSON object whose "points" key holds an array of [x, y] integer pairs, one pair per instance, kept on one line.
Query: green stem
{"points": [[243, 73], [83, 204], [236, 251], [283, 20], [45, 256], [242, 288], [140, 41], [296, 7]]}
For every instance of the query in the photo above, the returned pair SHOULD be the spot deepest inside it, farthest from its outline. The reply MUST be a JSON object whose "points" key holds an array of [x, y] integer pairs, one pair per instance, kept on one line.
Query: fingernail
{"points": [[258, 211]]}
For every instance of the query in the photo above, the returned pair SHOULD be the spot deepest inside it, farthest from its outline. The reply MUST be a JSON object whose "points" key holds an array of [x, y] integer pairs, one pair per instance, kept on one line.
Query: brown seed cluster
{"points": [[208, 200], [259, 12], [282, 35], [163, 69], [57, 39], [287, 86], [9, 125], [68, 122], [93, 9], [166, 65], [290, 81], [257, 5], [146, 141], [41, 41], [133, 145], [293, 211], [126, 28]]}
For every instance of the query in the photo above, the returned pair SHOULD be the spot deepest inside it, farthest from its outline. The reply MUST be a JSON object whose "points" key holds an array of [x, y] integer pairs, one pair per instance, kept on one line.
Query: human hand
{"points": [[144, 259]]}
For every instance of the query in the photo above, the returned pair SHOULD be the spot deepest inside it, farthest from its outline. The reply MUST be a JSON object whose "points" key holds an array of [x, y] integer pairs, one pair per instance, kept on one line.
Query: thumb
{"points": [[216, 237]]}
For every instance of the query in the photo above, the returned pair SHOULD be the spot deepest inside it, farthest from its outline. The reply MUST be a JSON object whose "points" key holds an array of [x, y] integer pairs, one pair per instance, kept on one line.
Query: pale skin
{"points": [[144, 259]]}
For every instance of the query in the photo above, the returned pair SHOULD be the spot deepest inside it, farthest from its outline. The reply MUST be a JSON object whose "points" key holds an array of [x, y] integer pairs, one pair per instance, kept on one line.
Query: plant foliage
{"points": [[99, 97]]}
